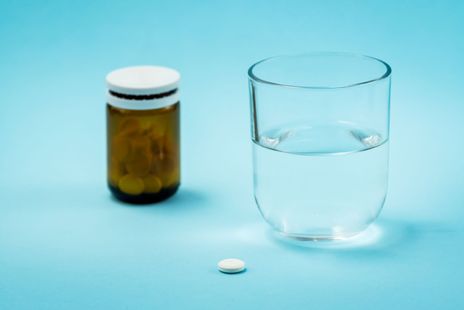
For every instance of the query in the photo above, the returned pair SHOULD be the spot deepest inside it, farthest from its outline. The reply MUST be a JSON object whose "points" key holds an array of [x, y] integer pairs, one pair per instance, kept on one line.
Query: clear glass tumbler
{"points": [[320, 131]]}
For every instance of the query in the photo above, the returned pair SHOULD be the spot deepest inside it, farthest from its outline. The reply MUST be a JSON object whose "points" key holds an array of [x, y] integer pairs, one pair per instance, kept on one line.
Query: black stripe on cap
{"points": [[143, 97]]}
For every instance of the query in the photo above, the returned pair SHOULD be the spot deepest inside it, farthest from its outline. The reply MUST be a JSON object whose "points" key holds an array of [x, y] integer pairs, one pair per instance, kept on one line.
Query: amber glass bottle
{"points": [[143, 133]]}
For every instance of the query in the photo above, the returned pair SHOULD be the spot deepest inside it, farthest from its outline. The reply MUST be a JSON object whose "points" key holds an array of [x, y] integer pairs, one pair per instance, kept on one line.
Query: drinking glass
{"points": [[320, 133]]}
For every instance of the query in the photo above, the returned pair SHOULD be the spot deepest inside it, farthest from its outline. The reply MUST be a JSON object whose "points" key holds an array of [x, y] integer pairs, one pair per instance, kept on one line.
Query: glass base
{"points": [[347, 240], [144, 198], [319, 238]]}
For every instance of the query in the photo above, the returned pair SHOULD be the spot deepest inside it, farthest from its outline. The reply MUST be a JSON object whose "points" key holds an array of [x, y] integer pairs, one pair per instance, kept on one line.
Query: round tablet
{"points": [[231, 265]]}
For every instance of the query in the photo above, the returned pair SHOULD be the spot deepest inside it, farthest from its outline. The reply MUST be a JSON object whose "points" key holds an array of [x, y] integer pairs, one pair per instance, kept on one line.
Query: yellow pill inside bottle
{"points": [[131, 185]]}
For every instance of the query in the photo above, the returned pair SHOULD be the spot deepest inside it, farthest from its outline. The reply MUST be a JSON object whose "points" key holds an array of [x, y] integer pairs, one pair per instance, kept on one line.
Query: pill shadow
{"points": [[381, 240]]}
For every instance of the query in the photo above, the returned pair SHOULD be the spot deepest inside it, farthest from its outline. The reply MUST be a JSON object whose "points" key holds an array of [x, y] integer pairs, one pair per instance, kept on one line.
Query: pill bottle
{"points": [[143, 137]]}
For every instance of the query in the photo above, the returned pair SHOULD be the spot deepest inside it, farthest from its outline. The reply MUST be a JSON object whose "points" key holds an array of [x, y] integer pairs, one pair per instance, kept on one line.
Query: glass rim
{"points": [[253, 77]]}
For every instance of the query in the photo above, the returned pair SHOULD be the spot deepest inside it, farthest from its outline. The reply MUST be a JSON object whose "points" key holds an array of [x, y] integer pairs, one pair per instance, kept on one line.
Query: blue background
{"points": [[65, 244]]}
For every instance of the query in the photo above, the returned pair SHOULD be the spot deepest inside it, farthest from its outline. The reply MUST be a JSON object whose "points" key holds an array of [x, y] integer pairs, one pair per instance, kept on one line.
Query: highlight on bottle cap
{"points": [[143, 80]]}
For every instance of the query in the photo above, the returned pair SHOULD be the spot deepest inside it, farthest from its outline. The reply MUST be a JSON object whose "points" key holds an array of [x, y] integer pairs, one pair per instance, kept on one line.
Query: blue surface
{"points": [[65, 244]]}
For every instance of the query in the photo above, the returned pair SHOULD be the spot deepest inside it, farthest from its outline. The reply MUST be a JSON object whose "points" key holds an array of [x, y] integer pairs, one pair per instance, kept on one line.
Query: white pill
{"points": [[231, 265]]}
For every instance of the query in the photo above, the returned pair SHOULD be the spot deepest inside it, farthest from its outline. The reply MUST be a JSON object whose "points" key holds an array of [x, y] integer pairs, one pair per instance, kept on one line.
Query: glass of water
{"points": [[320, 131]]}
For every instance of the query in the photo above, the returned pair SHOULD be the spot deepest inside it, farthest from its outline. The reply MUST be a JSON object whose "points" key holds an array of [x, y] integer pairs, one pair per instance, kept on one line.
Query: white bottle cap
{"points": [[142, 87]]}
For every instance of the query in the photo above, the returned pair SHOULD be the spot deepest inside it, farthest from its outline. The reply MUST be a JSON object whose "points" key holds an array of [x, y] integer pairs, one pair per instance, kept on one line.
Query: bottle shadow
{"points": [[185, 198]]}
